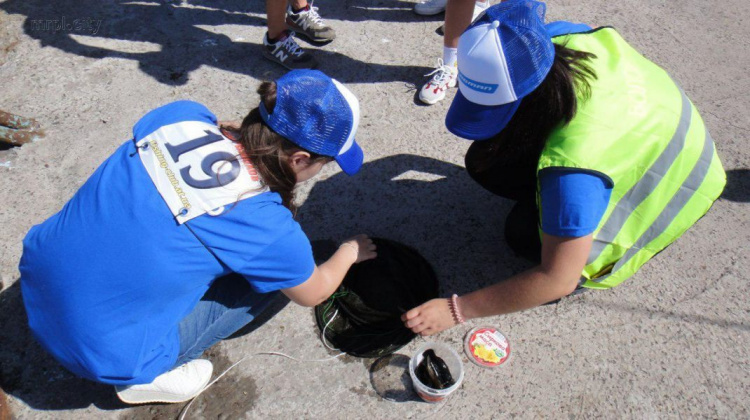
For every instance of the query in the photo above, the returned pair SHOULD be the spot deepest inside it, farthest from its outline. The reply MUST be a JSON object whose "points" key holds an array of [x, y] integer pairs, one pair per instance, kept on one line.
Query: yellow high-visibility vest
{"points": [[640, 131]]}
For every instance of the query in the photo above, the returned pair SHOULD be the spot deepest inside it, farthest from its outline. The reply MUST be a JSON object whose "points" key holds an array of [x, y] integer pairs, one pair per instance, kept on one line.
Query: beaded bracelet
{"points": [[453, 303]]}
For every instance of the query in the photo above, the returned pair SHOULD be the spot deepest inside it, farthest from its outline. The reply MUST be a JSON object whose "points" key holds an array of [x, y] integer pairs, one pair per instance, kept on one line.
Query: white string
{"points": [[323, 333], [267, 353]]}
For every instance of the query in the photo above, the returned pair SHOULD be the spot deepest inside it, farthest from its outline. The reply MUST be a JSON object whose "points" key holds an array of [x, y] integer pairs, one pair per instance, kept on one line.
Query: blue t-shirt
{"points": [[107, 280], [572, 202]]}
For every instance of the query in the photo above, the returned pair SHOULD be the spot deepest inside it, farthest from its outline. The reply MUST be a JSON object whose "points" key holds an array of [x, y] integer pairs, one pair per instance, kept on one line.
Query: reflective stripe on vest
{"points": [[675, 205], [662, 163], [644, 187]]}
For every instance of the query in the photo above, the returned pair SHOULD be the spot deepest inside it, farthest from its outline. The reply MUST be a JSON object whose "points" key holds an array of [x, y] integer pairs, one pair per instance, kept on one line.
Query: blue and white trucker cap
{"points": [[318, 114], [502, 57]]}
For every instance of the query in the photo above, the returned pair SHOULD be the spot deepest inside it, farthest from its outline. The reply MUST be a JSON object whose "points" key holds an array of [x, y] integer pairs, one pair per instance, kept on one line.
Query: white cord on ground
{"points": [[267, 353]]}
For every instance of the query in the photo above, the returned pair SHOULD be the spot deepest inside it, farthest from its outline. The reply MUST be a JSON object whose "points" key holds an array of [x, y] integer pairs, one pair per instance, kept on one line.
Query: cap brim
{"points": [[472, 121], [351, 160]]}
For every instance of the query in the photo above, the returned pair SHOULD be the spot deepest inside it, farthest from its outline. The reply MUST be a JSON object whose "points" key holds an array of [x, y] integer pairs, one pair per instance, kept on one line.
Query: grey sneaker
{"points": [[287, 53], [310, 24]]}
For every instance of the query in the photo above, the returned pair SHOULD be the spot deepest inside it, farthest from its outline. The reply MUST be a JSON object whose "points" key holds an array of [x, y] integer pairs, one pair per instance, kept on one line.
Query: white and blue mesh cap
{"points": [[502, 57], [318, 114]]}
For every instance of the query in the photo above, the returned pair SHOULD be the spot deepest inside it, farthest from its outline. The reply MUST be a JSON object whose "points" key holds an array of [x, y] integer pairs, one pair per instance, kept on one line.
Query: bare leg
{"points": [[299, 4], [458, 15], [276, 16]]}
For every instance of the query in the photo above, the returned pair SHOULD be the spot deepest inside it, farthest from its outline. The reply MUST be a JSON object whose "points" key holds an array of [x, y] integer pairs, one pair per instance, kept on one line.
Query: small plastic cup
{"points": [[452, 360], [487, 347]]}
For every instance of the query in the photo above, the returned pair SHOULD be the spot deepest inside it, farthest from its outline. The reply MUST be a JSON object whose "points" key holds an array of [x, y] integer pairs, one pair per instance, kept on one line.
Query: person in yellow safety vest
{"points": [[607, 159]]}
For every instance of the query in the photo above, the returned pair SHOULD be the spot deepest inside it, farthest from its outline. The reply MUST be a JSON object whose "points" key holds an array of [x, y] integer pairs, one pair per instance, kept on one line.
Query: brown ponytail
{"points": [[269, 152]]}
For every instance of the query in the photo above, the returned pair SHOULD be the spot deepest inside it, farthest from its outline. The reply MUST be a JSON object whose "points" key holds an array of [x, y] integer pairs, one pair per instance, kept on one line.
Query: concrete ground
{"points": [[671, 342]]}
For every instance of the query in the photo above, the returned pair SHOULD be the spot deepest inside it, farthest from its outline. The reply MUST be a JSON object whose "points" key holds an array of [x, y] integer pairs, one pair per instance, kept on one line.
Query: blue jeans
{"points": [[228, 305]]}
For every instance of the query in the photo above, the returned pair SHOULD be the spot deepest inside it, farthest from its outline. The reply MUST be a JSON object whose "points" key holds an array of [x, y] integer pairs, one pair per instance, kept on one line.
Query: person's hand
{"points": [[361, 246], [430, 318]]}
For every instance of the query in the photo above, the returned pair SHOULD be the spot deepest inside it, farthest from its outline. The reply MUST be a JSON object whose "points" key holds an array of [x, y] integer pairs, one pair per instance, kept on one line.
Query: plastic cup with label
{"points": [[487, 347], [451, 359]]}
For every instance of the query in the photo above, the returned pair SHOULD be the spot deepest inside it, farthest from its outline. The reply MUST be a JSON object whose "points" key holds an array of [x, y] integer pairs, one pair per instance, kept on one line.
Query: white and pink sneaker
{"points": [[443, 77]]}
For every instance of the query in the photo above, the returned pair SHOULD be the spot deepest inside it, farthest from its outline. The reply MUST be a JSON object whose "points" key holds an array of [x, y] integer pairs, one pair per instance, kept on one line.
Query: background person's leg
{"points": [[458, 14], [298, 4], [279, 45], [276, 18], [228, 305]]}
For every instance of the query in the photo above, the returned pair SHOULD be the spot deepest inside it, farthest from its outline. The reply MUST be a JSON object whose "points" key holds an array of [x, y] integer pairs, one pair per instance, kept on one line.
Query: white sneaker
{"points": [[443, 77], [430, 7], [178, 385], [479, 8]]}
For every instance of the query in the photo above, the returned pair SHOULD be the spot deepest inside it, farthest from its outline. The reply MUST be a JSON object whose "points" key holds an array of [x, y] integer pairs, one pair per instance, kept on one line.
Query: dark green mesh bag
{"points": [[363, 316]]}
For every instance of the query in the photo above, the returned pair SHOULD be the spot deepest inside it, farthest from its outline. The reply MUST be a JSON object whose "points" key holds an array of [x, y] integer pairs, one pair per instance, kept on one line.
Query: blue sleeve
{"points": [[572, 202], [562, 27], [259, 239], [170, 114]]}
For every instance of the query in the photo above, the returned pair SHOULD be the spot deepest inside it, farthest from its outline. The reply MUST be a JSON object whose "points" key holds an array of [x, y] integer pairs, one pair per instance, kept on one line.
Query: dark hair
{"points": [[269, 152], [551, 104]]}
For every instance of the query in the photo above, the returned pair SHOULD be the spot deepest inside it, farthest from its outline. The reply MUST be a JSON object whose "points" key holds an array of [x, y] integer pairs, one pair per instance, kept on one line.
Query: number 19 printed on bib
{"points": [[196, 169]]}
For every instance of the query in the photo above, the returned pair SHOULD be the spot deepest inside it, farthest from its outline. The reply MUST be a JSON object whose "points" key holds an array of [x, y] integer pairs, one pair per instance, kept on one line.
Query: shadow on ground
{"points": [[389, 377], [182, 46], [349, 10], [738, 186], [31, 375], [428, 204]]}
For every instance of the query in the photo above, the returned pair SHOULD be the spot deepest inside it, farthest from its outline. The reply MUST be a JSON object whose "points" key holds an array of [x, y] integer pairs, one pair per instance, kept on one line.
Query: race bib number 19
{"points": [[196, 169]]}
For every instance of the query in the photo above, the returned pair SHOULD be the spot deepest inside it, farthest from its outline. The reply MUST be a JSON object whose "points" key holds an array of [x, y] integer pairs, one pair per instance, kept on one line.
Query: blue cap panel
{"points": [[478, 122], [521, 55], [526, 44], [315, 113], [310, 112]]}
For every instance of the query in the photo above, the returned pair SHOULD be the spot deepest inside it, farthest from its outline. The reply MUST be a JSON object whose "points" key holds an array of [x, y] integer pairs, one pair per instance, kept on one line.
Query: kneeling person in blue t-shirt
{"points": [[183, 236]]}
